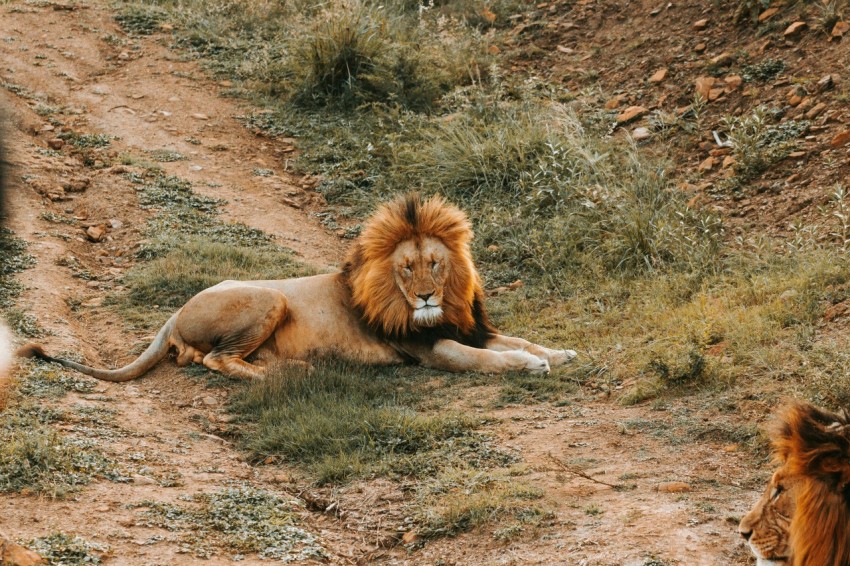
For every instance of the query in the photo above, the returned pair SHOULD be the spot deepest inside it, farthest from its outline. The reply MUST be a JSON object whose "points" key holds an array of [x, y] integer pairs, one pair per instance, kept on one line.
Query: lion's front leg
{"points": [[453, 356], [501, 343]]}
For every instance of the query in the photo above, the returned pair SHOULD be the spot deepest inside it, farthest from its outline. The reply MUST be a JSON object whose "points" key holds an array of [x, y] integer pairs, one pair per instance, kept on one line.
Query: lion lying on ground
{"points": [[408, 292]]}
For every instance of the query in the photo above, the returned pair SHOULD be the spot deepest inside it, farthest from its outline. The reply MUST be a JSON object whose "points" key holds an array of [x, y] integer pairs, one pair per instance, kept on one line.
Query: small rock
{"points": [[700, 25], [715, 93], [795, 100], [166, 27], [615, 102], [282, 478], [723, 60], [199, 116], [790, 181], [55, 143], [797, 154], [839, 30], [143, 480], [631, 113], [815, 111], [210, 401], [640, 134], [700, 47], [734, 81], [794, 30], [767, 14], [826, 83], [731, 448], [658, 76], [841, 139], [410, 537], [94, 303], [706, 165], [494, 50], [47, 128], [703, 86], [516, 285], [493, 248], [96, 233], [720, 151], [728, 162], [115, 224], [103, 509], [124, 56], [673, 487], [77, 184], [16, 555]]}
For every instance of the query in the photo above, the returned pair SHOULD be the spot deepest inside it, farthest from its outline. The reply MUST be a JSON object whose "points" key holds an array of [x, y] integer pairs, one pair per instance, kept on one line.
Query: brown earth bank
{"points": [[624, 486]]}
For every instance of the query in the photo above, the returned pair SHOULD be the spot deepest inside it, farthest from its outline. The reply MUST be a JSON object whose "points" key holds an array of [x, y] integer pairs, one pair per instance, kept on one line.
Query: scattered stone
{"points": [[143, 480], [731, 448], [199, 116], [734, 82], [706, 165], [728, 162], [795, 100], [673, 487], [410, 537], [794, 30], [700, 25], [789, 181], [494, 50], [615, 102], [839, 30], [210, 401], [715, 93], [703, 86], [700, 47], [815, 111], [720, 151], [16, 555], [797, 154], [124, 56], [96, 233], [516, 285], [77, 184], [658, 76], [723, 60], [640, 134], [767, 14], [115, 224], [55, 143], [826, 83], [166, 27], [631, 113], [564, 49], [94, 303], [47, 128], [841, 139]]}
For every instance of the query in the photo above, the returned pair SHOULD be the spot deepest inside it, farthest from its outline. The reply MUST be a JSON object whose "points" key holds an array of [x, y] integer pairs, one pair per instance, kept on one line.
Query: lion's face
{"points": [[766, 526], [420, 268]]}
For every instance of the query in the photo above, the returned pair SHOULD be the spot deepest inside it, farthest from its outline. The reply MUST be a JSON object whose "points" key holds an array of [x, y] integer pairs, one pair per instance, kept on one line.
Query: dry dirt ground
{"points": [[149, 98]]}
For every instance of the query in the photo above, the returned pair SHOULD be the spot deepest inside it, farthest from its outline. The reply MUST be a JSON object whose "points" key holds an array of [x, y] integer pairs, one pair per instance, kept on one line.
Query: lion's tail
{"points": [[149, 358]]}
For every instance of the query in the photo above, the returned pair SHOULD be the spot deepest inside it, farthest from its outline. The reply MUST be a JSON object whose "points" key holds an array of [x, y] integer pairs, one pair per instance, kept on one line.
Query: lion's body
{"points": [[408, 292], [813, 447]]}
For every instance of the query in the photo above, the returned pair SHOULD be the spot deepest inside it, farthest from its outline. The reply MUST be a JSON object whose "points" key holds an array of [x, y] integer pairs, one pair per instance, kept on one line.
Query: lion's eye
{"points": [[776, 491], [406, 269], [435, 264]]}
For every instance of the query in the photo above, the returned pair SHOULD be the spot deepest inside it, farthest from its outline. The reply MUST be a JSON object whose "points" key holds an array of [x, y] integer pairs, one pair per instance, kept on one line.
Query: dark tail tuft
{"points": [[32, 351]]}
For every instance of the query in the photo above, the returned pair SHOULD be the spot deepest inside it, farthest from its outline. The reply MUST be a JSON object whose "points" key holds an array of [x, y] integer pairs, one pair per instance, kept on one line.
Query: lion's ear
{"points": [[814, 443]]}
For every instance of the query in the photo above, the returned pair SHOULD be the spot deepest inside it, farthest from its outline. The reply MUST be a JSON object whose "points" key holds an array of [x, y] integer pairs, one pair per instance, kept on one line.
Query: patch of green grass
{"points": [[345, 420], [459, 500], [763, 71], [240, 519], [758, 142], [141, 19], [36, 458], [191, 266], [166, 155], [68, 550], [86, 141], [13, 259], [42, 380]]}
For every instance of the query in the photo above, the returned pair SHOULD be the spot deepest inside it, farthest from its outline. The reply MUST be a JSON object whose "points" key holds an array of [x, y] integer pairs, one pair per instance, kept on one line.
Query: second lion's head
{"points": [[411, 268]]}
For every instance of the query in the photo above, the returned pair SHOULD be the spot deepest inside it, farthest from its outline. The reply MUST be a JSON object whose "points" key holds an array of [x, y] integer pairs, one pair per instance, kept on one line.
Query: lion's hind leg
{"points": [[228, 325]]}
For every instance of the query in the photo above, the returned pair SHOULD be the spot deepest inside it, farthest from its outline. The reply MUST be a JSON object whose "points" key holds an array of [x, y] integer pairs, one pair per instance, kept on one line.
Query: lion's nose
{"points": [[746, 534], [424, 296]]}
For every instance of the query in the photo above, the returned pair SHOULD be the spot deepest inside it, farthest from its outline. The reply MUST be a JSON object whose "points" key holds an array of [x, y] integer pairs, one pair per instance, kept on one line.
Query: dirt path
{"points": [[78, 68]]}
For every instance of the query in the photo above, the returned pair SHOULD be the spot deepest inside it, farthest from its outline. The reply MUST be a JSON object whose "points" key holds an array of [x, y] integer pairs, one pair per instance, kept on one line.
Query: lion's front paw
{"points": [[559, 357], [523, 361]]}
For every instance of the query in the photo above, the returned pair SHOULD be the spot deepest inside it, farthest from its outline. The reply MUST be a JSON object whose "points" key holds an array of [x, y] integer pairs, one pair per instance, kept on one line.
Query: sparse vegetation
{"points": [[241, 519], [68, 550]]}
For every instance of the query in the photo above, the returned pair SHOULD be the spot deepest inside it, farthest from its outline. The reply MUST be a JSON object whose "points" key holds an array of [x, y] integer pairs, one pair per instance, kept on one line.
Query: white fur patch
{"points": [[427, 315]]}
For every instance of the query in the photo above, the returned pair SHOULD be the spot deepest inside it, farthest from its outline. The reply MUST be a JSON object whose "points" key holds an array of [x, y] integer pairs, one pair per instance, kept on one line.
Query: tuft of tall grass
{"points": [[341, 420]]}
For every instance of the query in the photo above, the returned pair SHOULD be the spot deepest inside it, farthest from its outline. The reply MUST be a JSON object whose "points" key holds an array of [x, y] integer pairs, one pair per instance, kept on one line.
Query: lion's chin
{"points": [[427, 316]]}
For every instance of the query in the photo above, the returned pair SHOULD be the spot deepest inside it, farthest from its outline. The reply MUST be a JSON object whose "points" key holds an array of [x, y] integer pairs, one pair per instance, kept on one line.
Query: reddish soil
{"points": [[152, 99]]}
